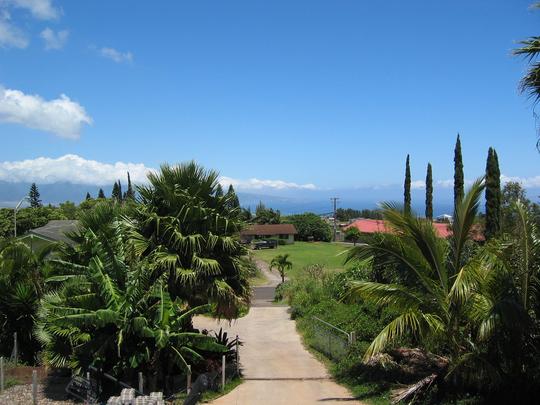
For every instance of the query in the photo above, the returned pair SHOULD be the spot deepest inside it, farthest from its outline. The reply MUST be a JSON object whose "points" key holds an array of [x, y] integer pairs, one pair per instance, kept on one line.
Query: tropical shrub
{"points": [[310, 227], [22, 275], [468, 305], [108, 312]]}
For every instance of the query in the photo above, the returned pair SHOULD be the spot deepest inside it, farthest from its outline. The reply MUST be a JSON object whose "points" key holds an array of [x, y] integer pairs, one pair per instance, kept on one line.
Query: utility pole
{"points": [[334, 202]]}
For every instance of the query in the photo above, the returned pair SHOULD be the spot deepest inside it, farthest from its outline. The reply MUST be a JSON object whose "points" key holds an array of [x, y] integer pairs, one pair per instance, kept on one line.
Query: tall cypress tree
{"points": [[33, 195], [429, 193], [88, 196], [459, 190], [120, 195], [493, 195], [101, 194], [130, 194], [407, 187], [115, 193]]}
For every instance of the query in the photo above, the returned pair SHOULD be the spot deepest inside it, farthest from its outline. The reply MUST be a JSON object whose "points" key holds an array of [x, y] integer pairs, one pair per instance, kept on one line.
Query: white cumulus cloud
{"points": [[116, 55], [54, 40], [60, 116], [257, 184], [78, 170], [71, 168]]}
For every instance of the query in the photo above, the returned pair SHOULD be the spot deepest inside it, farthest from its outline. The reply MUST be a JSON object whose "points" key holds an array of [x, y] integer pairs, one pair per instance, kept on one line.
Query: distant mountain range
{"points": [[288, 201]]}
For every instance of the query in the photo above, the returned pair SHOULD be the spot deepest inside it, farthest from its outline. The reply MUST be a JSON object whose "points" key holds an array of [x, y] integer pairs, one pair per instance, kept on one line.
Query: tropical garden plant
{"points": [[106, 310], [22, 275], [282, 264], [466, 304]]}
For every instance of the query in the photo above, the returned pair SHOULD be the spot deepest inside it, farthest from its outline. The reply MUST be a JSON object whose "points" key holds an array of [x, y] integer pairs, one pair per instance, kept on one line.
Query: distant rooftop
{"points": [[56, 230], [270, 229], [443, 229]]}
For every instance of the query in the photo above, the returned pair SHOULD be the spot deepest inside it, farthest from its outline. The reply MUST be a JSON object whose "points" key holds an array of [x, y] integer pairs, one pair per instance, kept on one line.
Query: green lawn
{"points": [[302, 254]]}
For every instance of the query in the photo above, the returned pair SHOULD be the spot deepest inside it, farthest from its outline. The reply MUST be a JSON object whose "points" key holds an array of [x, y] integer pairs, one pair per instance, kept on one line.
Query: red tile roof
{"points": [[443, 229], [269, 229]]}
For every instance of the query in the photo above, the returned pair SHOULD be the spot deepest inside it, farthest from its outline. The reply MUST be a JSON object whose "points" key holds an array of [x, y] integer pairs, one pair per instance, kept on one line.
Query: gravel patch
{"points": [[22, 395]]}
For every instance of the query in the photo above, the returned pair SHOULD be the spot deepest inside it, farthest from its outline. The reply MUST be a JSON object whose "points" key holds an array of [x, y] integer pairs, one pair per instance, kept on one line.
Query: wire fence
{"points": [[329, 339]]}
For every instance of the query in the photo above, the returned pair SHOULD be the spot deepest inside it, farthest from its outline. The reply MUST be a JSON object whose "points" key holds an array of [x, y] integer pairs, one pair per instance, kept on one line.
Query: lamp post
{"points": [[15, 214]]}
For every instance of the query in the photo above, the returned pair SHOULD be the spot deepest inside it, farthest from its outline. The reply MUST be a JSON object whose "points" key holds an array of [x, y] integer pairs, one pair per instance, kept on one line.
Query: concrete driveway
{"points": [[277, 368]]}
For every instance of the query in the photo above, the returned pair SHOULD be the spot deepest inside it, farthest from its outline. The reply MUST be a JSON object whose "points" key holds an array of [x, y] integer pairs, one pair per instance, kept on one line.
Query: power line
{"points": [[334, 201]]}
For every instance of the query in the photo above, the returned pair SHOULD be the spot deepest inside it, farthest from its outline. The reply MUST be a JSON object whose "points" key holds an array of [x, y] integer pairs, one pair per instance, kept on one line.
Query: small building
{"points": [[284, 232], [54, 231]]}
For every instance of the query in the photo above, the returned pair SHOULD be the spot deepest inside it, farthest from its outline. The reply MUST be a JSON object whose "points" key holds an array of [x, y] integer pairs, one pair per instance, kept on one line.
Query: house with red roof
{"points": [[443, 229]]}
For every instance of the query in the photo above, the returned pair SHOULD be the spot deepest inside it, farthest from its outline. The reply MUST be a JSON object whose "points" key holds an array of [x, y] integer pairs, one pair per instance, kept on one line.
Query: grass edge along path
{"points": [[332, 257]]}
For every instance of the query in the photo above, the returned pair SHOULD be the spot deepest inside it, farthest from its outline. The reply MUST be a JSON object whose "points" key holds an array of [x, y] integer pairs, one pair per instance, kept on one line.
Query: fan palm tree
{"points": [[190, 235], [530, 83], [530, 49], [281, 263]]}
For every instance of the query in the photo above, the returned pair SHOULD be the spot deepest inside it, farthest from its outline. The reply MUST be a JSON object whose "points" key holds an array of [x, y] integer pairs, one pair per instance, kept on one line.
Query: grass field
{"points": [[302, 254]]}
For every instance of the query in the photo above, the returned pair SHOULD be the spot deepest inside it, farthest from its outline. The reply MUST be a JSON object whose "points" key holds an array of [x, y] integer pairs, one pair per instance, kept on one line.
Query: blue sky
{"points": [[333, 94]]}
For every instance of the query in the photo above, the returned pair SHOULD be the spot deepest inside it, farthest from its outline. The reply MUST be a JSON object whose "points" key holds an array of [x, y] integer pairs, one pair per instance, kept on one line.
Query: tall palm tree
{"points": [[281, 263], [190, 234]]}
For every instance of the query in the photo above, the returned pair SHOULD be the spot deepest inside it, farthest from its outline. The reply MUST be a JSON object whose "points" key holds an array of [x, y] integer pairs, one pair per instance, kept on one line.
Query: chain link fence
{"points": [[329, 339]]}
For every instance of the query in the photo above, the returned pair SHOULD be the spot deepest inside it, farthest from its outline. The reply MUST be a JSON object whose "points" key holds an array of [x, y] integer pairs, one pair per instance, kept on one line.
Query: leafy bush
{"points": [[310, 227]]}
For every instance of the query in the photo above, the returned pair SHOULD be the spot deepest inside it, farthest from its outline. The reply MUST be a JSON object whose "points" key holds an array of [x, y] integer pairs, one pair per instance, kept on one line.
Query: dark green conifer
{"points": [[115, 193], [407, 186], [120, 195], [459, 190], [219, 191], [33, 195], [88, 196], [234, 202], [101, 194], [429, 193], [130, 194], [493, 195]]}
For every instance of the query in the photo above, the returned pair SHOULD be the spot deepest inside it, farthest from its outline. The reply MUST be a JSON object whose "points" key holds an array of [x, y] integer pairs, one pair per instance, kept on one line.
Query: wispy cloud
{"points": [[60, 116], [526, 182], [115, 55], [418, 184], [40, 9], [10, 35], [54, 40]]}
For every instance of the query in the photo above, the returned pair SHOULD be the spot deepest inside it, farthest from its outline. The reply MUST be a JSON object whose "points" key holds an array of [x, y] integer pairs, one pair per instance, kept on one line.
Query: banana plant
{"points": [[111, 314]]}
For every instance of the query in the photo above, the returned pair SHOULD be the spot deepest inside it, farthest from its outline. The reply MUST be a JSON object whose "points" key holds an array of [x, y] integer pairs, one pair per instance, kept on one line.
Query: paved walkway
{"points": [[277, 368]]}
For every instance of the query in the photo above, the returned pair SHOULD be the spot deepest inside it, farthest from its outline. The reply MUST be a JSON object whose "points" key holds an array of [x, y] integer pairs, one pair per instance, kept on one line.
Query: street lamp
{"points": [[15, 213]]}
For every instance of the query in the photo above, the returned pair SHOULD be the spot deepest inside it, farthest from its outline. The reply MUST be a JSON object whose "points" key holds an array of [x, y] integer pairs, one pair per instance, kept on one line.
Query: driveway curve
{"points": [[277, 368]]}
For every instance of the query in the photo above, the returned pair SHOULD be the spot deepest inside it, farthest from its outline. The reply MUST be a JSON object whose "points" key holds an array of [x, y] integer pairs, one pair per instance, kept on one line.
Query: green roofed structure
{"points": [[54, 231]]}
